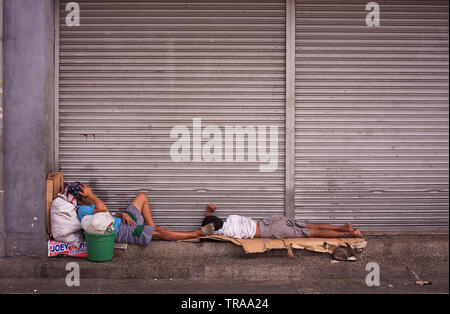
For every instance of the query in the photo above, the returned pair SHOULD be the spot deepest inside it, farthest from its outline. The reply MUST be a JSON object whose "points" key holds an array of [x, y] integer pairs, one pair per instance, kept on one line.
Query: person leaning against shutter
{"points": [[135, 225]]}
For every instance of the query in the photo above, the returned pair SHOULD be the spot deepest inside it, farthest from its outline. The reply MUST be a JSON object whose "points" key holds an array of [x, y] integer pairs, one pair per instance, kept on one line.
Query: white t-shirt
{"points": [[238, 227]]}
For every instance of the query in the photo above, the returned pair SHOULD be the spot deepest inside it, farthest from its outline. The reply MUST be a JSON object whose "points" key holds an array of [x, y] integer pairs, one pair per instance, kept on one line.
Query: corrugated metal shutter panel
{"points": [[372, 114], [134, 70]]}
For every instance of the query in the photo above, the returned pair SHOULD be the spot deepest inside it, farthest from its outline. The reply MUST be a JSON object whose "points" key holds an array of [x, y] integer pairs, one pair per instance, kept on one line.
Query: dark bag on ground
{"points": [[344, 253]]}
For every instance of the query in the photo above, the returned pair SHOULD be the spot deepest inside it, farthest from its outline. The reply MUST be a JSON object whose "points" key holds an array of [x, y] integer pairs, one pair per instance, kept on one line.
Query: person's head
{"points": [[84, 200], [218, 223], [75, 189]]}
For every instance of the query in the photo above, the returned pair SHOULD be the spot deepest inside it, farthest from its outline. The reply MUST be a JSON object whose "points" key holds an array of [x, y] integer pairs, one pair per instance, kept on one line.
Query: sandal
{"points": [[208, 229]]}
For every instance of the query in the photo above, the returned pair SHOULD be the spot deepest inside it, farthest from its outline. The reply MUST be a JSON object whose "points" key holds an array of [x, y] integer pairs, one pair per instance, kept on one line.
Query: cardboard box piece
{"points": [[261, 245], [55, 185]]}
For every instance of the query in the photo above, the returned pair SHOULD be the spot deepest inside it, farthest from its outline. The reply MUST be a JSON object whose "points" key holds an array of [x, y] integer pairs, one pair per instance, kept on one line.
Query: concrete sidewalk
{"points": [[178, 267]]}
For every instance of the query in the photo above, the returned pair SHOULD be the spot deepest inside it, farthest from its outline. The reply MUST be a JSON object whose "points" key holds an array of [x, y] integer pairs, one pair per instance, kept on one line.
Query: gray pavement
{"points": [[223, 268], [202, 287]]}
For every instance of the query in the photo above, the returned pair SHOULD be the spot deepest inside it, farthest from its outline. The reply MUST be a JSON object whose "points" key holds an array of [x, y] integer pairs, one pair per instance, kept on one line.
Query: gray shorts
{"points": [[280, 227], [139, 233]]}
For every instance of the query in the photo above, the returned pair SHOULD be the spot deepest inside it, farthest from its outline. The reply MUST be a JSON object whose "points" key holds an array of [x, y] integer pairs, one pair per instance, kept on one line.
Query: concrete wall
{"points": [[28, 121], [2, 216]]}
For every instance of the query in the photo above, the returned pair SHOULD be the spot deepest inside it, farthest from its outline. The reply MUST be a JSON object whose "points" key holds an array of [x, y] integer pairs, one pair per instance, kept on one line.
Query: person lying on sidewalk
{"points": [[135, 225], [275, 226]]}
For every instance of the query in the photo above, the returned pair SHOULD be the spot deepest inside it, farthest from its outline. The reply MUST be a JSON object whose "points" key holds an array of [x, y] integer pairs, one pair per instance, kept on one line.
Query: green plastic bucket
{"points": [[100, 247]]}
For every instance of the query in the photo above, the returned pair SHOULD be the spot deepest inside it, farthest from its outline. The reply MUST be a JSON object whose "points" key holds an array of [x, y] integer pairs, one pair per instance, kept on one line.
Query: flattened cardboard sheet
{"points": [[261, 245]]}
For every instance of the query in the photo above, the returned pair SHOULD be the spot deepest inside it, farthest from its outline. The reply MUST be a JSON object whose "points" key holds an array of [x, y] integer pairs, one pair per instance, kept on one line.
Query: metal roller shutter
{"points": [[132, 71], [372, 114]]}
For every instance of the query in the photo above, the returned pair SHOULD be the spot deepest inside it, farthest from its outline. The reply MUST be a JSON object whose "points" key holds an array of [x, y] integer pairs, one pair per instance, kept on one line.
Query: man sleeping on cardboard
{"points": [[275, 226]]}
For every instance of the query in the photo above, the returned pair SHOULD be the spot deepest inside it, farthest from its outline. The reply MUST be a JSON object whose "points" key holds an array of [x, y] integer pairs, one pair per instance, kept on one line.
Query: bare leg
{"points": [[326, 233], [163, 234], [142, 203], [346, 228]]}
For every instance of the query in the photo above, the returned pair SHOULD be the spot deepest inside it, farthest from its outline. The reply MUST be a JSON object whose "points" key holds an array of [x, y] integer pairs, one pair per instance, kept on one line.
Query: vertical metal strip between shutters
{"points": [[372, 114], [134, 70]]}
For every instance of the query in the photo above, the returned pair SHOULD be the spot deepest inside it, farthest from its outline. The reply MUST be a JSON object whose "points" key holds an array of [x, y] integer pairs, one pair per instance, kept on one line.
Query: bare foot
{"points": [[349, 227], [356, 233]]}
